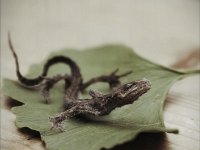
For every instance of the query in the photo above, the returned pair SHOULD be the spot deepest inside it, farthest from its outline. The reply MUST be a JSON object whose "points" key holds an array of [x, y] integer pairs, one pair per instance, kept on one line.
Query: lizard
{"points": [[98, 105]]}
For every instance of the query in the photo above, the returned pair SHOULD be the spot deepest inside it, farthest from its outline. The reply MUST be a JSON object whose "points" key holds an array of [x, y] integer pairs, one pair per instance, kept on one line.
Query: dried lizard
{"points": [[98, 105]]}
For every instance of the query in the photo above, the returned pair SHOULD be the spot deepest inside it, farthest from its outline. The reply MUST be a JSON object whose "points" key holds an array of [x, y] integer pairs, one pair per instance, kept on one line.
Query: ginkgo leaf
{"points": [[123, 124]]}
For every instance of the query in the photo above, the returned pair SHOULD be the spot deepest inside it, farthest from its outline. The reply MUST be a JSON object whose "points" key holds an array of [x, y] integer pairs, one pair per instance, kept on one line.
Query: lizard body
{"points": [[98, 105]]}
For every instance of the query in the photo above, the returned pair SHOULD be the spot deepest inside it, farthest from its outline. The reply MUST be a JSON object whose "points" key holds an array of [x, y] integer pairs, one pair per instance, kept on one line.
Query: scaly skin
{"points": [[101, 104], [98, 105]]}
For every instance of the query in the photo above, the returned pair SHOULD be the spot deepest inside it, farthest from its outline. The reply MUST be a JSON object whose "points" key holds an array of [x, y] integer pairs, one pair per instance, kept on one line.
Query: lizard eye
{"points": [[128, 86]]}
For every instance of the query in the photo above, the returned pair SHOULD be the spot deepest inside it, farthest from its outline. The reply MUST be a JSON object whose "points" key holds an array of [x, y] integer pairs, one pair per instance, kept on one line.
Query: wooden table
{"points": [[165, 32]]}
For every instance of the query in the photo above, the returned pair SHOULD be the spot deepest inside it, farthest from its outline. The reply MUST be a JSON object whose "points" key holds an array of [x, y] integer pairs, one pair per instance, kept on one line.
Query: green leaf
{"points": [[123, 124]]}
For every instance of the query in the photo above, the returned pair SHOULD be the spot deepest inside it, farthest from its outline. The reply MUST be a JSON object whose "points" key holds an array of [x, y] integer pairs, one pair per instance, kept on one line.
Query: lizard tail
{"points": [[57, 59], [21, 78]]}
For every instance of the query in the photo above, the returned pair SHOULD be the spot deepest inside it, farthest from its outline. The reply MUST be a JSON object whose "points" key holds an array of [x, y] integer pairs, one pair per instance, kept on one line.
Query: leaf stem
{"points": [[193, 72]]}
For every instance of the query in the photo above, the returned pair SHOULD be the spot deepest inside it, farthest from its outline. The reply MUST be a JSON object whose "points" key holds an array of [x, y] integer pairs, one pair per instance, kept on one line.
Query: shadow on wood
{"points": [[144, 141], [9, 103]]}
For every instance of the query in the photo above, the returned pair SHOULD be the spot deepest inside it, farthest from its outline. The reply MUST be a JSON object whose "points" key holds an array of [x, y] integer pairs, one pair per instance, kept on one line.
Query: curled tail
{"points": [[35, 81]]}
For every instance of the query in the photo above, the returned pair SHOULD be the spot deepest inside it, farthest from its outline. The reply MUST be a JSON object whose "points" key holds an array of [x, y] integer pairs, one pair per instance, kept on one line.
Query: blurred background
{"points": [[156, 29], [166, 32]]}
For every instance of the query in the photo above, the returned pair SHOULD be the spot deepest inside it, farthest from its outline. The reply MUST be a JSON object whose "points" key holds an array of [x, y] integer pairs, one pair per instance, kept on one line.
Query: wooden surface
{"points": [[162, 31]]}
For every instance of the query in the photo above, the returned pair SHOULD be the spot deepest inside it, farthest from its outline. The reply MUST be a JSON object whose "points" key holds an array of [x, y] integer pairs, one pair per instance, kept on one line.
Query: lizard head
{"points": [[131, 91]]}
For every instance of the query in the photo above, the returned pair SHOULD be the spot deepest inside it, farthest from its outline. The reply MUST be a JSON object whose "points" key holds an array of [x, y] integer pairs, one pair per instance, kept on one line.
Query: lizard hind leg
{"points": [[48, 84]]}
